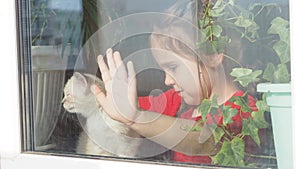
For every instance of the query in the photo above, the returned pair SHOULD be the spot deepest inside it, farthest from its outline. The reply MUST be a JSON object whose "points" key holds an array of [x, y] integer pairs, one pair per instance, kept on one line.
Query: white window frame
{"points": [[11, 156]]}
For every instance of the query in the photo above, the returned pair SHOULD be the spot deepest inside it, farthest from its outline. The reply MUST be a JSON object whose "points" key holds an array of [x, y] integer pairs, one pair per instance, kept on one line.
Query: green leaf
{"points": [[244, 12], [228, 113], [238, 147], [215, 113], [204, 22], [218, 9], [248, 76], [219, 44], [239, 72], [272, 6], [217, 30], [205, 32], [218, 4], [243, 22], [196, 127], [218, 134], [283, 51], [207, 47], [214, 101], [252, 30], [231, 153], [249, 128], [280, 26], [281, 75], [269, 72], [241, 101], [231, 2], [210, 107], [262, 105], [259, 119], [204, 108]]}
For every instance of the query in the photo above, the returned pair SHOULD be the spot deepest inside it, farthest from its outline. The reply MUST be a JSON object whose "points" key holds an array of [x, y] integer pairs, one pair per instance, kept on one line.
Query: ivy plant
{"points": [[232, 151], [214, 16]]}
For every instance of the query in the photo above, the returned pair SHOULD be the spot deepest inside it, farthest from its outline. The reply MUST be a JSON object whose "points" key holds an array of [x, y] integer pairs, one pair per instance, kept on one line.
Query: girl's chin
{"points": [[189, 100]]}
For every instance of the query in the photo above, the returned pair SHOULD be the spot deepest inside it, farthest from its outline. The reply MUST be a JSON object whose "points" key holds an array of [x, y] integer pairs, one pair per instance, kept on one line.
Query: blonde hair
{"points": [[160, 41], [177, 31]]}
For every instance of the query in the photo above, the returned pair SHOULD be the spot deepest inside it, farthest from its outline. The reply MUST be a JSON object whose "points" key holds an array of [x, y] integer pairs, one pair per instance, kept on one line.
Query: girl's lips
{"points": [[179, 92]]}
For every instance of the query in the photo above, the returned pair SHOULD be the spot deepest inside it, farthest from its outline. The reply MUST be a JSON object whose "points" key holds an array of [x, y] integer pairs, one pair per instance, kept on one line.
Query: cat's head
{"points": [[78, 97]]}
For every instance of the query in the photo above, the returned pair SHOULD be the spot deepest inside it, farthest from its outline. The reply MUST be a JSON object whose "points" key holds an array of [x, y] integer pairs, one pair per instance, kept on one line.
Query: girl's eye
{"points": [[172, 68]]}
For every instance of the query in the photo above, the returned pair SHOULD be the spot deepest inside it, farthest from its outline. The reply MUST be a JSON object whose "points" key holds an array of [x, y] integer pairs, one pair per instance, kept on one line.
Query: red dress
{"points": [[172, 102]]}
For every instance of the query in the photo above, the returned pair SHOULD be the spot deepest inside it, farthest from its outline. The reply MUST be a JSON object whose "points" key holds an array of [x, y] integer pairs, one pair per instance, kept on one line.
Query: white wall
{"points": [[9, 89], [9, 76], [295, 60]]}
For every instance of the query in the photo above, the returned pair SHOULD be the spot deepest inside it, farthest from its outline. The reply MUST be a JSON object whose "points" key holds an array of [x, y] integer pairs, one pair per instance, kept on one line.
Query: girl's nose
{"points": [[169, 81]]}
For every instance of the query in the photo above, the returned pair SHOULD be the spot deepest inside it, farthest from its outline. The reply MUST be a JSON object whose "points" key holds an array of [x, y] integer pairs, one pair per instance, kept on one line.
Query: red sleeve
{"points": [[167, 103], [236, 126]]}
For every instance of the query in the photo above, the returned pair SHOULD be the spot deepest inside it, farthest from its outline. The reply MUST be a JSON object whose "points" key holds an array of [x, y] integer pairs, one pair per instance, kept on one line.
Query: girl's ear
{"points": [[213, 60]]}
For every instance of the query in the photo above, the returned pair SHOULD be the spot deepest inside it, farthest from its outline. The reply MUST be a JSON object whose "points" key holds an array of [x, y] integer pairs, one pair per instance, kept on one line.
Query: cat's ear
{"points": [[80, 81]]}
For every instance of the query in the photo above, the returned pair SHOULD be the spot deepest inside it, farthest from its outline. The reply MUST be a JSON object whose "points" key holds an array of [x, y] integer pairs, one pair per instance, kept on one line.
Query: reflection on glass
{"points": [[159, 38]]}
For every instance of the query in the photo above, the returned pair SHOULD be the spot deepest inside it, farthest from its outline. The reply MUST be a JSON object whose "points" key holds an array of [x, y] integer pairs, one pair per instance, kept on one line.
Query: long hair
{"points": [[179, 33]]}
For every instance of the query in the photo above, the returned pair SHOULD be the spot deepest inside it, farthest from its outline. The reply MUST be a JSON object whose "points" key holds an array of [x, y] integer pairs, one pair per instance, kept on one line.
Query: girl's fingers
{"points": [[103, 69], [131, 78], [111, 62], [121, 71], [100, 96]]}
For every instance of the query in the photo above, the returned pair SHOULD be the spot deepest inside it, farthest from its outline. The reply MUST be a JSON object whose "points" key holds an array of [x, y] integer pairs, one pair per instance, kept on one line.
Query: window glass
{"points": [[177, 82]]}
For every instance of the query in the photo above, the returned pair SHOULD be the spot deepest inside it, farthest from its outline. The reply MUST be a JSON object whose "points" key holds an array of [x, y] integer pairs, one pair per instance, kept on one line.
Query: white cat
{"points": [[101, 135]]}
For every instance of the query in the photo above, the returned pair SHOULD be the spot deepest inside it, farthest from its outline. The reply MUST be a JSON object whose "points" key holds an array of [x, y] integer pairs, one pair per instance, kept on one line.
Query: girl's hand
{"points": [[119, 102]]}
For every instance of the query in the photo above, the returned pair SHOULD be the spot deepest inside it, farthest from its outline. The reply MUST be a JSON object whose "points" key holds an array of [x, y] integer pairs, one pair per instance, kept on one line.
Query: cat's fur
{"points": [[101, 135]]}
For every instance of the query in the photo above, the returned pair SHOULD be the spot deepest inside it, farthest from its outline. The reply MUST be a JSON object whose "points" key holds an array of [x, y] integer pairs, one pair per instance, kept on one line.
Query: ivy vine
{"points": [[212, 17]]}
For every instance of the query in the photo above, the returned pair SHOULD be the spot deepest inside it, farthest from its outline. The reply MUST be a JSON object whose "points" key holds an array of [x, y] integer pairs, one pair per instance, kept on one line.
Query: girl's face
{"points": [[183, 75]]}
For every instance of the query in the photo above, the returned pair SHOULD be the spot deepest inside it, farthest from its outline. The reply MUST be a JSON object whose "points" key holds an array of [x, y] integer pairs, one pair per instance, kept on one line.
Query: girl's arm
{"points": [[119, 102], [173, 133]]}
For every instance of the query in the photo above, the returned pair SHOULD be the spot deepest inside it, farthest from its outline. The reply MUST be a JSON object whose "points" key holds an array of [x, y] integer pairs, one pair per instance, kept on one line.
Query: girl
{"points": [[166, 119]]}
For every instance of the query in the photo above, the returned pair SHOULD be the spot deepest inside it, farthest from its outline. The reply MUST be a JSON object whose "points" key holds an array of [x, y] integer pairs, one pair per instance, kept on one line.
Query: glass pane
{"points": [[184, 87]]}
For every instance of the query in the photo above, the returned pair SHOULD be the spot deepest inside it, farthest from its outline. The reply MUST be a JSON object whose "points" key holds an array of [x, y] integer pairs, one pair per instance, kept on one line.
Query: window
{"points": [[62, 133]]}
